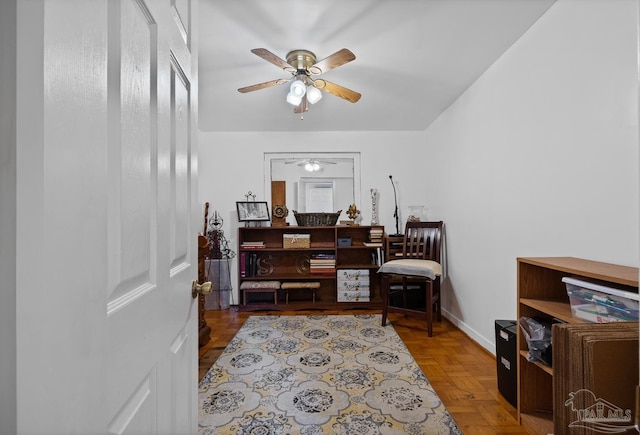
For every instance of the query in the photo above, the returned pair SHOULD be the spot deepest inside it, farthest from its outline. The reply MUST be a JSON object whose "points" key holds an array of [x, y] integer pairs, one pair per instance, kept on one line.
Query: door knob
{"points": [[203, 289]]}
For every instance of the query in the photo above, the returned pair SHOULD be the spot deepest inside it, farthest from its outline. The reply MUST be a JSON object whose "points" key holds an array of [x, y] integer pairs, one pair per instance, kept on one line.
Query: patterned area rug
{"points": [[331, 374]]}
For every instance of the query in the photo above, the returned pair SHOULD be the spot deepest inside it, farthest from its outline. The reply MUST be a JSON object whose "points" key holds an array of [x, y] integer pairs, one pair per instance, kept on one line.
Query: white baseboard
{"points": [[482, 341]]}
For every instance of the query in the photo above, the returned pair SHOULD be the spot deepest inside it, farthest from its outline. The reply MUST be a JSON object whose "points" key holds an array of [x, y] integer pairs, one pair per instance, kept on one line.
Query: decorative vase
{"points": [[374, 207]]}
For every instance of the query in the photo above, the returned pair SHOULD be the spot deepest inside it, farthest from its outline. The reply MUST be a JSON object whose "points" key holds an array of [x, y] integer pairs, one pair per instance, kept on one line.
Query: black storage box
{"points": [[506, 359], [344, 241]]}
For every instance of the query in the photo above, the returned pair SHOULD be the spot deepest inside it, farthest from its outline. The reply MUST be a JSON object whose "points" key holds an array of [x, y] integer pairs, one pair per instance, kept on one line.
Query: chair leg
{"points": [[429, 309], [439, 300], [404, 292], [385, 298]]}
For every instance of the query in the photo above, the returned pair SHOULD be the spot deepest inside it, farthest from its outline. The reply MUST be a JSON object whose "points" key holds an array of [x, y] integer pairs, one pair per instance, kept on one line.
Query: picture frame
{"points": [[250, 211]]}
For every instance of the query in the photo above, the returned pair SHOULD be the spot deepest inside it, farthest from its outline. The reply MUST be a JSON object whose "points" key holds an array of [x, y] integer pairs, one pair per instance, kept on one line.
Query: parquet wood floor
{"points": [[462, 372]]}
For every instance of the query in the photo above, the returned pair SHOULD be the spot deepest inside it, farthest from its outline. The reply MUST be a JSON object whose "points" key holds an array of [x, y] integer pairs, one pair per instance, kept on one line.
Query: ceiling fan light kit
{"points": [[312, 166], [302, 64]]}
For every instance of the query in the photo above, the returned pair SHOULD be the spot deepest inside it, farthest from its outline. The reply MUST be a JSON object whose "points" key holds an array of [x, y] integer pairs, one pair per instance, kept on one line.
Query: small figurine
{"points": [[353, 212]]}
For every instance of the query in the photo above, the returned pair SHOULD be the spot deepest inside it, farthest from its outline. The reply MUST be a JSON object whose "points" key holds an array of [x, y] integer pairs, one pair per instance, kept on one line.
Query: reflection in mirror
{"points": [[313, 182]]}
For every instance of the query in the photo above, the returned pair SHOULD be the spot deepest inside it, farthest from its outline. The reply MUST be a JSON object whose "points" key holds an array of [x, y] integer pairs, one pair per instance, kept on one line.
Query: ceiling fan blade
{"points": [[337, 90], [338, 58], [302, 107], [262, 85], [270, 57]]}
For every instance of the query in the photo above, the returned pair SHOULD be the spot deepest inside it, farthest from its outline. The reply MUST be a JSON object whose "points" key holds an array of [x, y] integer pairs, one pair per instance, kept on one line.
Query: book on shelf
{"points": [[317, 261], [376, 257], [329, 270], [252, 245], [323, 256], [372, 244], [243, 265]]}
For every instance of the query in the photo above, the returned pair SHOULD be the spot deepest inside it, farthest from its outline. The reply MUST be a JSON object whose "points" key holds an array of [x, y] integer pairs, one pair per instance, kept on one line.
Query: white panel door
{"points": [[152, 337], [108, 139]]}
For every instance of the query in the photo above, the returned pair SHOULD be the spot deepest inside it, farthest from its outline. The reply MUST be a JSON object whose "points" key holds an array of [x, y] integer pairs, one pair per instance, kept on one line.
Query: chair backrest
{"points": [[422, 240]]}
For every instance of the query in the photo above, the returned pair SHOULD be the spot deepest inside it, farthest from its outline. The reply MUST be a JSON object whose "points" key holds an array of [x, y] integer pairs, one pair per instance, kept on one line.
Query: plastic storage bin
{"points": [[506, 350], [600, 304]]}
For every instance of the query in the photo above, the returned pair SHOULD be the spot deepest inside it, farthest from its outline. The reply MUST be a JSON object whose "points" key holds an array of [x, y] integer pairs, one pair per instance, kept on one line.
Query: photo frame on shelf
{"points": [[251, 211]]}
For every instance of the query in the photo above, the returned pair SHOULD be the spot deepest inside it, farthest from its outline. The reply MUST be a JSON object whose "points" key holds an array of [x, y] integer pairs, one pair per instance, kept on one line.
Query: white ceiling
{"points": [[413, 58]]}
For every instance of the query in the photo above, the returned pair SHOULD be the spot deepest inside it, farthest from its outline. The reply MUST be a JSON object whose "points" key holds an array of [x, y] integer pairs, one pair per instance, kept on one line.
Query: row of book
{"points": [[376, 235], [248, 264], [322, 263]]}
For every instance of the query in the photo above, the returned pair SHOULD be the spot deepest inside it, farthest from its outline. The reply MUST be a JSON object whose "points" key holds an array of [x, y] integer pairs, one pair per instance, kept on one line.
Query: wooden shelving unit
{"points": [[276, 263], [541, 293], [392, 247]]}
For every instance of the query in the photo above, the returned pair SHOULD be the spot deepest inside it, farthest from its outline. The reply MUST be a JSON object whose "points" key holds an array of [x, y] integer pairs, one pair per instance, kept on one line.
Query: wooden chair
{"points": [[420, 263]]}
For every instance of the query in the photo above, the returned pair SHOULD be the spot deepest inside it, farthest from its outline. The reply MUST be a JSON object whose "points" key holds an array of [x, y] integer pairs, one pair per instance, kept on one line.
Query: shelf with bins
{"points": [[263, 248], [542, 294]]}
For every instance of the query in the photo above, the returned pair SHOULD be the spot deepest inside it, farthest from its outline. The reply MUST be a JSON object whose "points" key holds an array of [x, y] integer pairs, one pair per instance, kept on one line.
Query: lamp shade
{"points": [[313, 94], [294, 99], [298, 88]]}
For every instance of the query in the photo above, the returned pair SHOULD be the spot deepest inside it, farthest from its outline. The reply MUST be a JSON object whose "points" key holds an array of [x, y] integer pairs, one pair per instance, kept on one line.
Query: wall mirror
{"points": [[313, 182]]}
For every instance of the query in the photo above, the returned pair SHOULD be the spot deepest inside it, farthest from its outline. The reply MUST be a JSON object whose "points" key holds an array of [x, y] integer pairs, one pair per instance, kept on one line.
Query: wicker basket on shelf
{"points": [[316, 219]]}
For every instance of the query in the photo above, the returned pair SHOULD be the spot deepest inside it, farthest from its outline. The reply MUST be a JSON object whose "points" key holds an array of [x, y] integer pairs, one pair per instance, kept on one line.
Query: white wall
{"points": [[231, 164], [538, 157]]}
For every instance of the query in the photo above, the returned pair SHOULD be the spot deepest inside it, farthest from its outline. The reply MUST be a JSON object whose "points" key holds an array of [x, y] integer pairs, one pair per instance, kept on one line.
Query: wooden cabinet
{"points": [[541, 293], [264, 257]]}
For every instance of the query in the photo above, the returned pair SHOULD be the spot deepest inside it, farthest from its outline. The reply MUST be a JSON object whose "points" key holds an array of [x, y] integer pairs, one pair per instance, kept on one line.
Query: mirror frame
{"points": [[269, 156]]}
